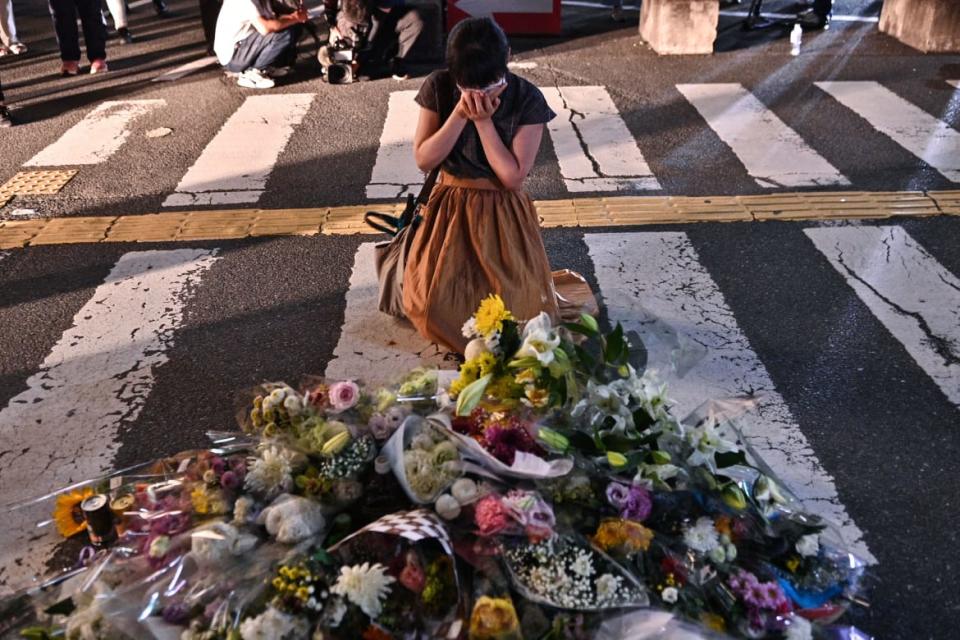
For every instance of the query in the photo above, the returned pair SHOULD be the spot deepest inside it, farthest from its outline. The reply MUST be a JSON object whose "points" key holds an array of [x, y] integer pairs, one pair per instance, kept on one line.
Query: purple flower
{"points": [[617, 494], [638, 504], [177, 613], [230, 481], [218, 465], [238, 464]]}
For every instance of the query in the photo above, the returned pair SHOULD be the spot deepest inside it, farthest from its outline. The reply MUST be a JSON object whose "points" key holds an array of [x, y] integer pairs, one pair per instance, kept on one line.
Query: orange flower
{"points": [[67, 515], [722, 525], [622, 535]]}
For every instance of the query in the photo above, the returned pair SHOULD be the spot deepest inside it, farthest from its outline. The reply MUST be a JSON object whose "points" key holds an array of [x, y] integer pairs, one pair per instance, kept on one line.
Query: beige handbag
{"points": [[391, 256]]}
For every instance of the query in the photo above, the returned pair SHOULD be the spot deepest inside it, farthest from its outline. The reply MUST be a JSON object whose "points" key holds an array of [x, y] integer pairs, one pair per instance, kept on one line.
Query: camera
{"points": [[339, 62]]}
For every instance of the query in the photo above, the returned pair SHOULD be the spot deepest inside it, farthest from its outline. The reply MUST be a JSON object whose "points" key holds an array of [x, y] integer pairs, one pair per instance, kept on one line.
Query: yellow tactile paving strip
{"points": [[35, 183], [617, 211]]}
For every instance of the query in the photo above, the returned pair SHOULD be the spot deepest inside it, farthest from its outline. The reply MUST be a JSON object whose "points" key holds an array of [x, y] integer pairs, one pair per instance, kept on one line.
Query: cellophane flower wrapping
{"points": [[341, 511]]}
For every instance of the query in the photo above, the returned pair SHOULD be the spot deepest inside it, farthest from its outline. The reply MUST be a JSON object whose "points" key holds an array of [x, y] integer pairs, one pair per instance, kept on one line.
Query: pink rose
{"points": [[344, 395]]}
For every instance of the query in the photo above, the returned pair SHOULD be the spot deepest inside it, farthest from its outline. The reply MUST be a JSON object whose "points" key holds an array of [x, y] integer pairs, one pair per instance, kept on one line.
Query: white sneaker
{"points": [[255, 79]]}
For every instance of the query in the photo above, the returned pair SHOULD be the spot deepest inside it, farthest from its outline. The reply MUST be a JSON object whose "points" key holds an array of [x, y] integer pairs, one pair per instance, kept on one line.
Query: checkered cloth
{"points": [[415, 526]]}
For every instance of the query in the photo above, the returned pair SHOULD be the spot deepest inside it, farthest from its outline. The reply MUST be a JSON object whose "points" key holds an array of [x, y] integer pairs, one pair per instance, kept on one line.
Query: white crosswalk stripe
{"points": [[654, 284], [912, 294], [234, 167], [930, 139], [774, 155], [594, 147], [395, 174], [375, 347], [97, 137], [94, 381]]}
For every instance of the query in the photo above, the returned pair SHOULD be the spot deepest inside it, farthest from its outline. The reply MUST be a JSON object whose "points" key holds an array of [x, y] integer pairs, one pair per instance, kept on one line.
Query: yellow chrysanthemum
{"points": [[494, 619], [621, 535], [491, 314], [66, 513], [486, 362]]}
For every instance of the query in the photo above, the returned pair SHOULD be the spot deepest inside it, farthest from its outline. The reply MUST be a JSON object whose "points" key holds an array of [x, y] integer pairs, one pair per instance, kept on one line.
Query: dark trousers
{"points": [[392, 34], [259, 51], [65, 13], [1, 91], [209, 12]]}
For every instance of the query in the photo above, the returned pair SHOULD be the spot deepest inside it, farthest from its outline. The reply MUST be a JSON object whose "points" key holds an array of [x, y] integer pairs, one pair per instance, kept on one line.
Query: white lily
{"points": [[539, 340], [706, 442]]}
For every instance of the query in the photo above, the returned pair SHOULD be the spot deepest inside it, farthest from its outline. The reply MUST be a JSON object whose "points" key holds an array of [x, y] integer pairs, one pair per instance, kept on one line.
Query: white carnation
{"points": [[702, 536]]}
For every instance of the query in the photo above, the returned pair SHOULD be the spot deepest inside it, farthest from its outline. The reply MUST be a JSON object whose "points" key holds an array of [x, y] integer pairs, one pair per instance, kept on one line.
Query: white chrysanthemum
{"points": [[702, 536], [670, 595], [274, 625], [469, 329], [364, 585], [799, 629], [270, 473], [809, 546], [582, 566]]}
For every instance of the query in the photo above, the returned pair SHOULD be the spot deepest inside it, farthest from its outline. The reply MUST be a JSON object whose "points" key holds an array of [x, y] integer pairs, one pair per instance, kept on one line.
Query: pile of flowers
{"points": [[548, 492]]}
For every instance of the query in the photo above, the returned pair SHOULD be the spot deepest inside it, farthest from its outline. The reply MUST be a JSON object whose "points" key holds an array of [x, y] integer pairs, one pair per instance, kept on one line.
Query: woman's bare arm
{"points": [[432, 142]]}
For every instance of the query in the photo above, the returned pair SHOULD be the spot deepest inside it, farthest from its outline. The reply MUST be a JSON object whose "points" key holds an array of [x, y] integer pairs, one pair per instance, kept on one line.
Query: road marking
{"points": [[595, 148], [480, 8], [186, 69], [395, 174], [373, 346], [97, 137], [521, 65], [63, 428], [234, 167], [773, 153], [907, 289], [793, 16], [926, 137], [653, 283]]}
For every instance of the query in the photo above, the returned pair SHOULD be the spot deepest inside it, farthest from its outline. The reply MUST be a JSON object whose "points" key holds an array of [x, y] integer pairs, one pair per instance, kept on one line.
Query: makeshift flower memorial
{"points": [[560, 476]]}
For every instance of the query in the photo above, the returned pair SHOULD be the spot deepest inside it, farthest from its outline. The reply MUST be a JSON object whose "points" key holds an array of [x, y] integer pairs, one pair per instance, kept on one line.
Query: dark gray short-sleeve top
{"points": [[521, 103]]}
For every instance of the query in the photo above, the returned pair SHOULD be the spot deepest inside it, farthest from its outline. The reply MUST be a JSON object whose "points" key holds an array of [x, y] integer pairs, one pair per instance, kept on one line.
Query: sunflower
{"points": [[491, 314], [67, 514]]}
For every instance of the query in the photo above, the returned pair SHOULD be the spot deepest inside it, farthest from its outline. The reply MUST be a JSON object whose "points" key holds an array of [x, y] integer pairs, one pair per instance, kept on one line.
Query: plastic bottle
{"points": [[796, 38]]}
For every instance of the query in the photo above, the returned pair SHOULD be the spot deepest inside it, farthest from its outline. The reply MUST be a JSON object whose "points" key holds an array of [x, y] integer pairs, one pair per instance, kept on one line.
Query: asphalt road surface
{"points": [[112, 354]]}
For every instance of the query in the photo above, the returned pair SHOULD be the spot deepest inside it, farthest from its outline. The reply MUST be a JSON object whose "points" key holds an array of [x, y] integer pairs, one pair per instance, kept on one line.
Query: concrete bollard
{"points": [[932, 26], [680, 26]]}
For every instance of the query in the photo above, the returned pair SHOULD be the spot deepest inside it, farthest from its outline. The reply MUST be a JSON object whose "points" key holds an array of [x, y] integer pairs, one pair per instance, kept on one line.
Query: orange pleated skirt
{"points": [[477, 238]]}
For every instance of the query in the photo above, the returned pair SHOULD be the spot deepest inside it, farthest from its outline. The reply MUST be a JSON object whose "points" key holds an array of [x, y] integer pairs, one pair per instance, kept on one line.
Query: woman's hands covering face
{"points": [[477, 105]]}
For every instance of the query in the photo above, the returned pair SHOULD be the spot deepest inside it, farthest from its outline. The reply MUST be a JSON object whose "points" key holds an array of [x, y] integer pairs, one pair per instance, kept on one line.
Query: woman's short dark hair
{"points": [[477, 52]]}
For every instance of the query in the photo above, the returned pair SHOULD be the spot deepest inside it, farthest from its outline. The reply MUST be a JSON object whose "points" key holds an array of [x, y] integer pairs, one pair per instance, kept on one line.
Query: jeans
{"points": [[65, 14], [8, 30], [258, 51]]}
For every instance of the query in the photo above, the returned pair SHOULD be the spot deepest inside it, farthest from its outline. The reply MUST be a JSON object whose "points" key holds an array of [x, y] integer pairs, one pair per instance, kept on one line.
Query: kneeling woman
{"points": [[480, 234]]}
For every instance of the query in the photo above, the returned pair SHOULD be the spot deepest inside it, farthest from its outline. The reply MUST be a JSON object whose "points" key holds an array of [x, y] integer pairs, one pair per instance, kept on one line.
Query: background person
{"points": [[5, 118], [250, 38], [65, 14], [390, 30], [9, 43], [118, 11]]}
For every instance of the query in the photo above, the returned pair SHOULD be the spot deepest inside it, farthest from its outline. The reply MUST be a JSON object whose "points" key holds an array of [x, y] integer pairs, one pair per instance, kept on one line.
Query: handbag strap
{"points": [[382, 222], [411, 212]]}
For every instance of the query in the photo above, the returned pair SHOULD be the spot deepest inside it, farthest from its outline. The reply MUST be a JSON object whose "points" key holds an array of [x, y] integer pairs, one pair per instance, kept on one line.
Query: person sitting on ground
{"points": [[5, 119], [385, 31], [480, 233], [251, 38], [9, 43], [65, 13]]}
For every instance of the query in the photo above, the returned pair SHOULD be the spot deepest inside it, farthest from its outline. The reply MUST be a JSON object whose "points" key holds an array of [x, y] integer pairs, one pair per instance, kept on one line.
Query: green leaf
{"points": [[578, 328], [730, 458], [615, 346], [35, 633], [586, 360], [527, 362], [509, 337], [470, 397], [582, 442], [660, 457], [63, 608], [621, 444]]}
